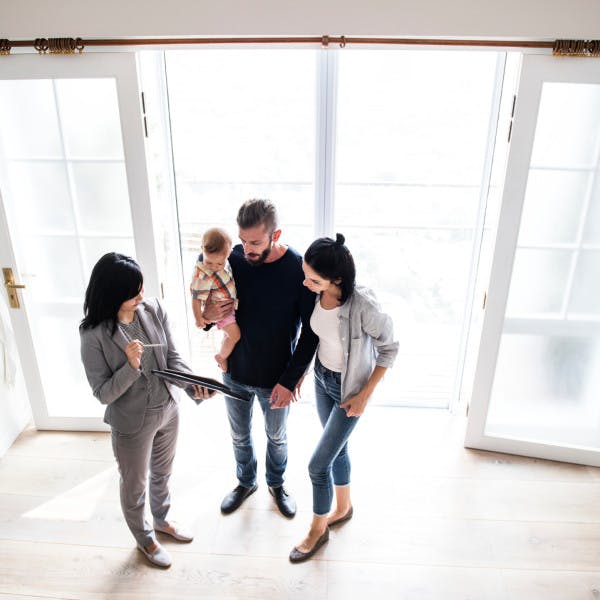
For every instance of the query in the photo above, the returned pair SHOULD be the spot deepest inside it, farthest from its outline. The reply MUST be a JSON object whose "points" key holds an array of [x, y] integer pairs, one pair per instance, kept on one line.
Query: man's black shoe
{"points": [[234, 499], [285, 503]]}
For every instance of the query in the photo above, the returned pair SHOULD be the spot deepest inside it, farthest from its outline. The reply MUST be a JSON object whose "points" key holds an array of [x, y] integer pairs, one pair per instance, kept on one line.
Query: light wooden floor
{"points": [[432, 520]]}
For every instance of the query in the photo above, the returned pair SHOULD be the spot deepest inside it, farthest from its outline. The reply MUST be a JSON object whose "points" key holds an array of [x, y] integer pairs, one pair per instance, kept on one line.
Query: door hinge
{"points": [[484, 300], [512, 114], [144, 115]]}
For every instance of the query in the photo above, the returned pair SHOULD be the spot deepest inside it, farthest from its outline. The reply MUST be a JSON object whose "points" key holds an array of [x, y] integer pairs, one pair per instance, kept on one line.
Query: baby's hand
{"points": [[222, 362]]}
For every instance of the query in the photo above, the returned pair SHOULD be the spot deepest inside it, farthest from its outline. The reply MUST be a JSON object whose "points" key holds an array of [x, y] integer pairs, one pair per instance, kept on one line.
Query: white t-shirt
{"points": [[325, 323]]}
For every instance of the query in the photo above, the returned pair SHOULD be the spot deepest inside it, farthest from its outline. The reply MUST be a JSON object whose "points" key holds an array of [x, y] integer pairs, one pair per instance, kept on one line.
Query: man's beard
{"points": [[256, 262]]}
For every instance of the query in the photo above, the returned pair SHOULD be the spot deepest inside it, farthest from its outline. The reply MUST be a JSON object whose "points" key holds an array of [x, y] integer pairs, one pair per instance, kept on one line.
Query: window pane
{"points": [[538, 282], [412, 130], [102, 198], [54, 267], [592, 228], [89, 114], [553, 204], [44, 200], [545, 389], [243, 126], [572, 139], [94, 248], [28, 119], [585, 297], [57, 341], [413, 117]]}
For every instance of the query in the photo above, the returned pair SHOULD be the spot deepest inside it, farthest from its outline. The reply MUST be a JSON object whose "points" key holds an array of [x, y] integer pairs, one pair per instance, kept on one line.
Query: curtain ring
{"points": [[41, 45]]}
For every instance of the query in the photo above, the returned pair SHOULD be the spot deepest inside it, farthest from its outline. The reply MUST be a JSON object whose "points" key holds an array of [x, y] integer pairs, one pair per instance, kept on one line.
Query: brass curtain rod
{"points": [[70, 45], [324, 40]]}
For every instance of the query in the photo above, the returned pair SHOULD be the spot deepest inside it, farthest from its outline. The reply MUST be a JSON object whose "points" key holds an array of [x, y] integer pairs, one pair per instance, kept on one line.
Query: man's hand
{"points": [[215, 311], [281, 397]]}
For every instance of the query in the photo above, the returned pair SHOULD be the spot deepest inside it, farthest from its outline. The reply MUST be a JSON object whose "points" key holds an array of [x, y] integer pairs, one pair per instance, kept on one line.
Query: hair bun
{"points": [[339, 239]]}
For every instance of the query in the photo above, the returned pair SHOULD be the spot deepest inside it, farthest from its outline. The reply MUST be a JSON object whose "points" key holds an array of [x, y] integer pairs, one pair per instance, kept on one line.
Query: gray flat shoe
{"points": [[297, 556]]}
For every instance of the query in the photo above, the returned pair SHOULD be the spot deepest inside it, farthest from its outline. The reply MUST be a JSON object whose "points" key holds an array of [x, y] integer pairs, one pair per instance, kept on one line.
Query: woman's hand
{"points": [[202, 393], [298, 386], [356, 405], [134, 350]]}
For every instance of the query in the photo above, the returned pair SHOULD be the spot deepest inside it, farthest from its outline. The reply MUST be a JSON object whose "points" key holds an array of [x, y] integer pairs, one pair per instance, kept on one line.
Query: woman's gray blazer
{"points": [[113, 380]]}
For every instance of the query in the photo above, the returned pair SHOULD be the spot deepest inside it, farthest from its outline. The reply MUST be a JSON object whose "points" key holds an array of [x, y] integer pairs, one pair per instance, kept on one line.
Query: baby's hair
{"points": [[216, 241]]}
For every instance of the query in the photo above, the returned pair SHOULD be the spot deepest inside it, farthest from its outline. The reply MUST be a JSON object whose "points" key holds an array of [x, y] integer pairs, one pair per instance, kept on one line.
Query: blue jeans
{"points": [[330, 463], [240, 422]]}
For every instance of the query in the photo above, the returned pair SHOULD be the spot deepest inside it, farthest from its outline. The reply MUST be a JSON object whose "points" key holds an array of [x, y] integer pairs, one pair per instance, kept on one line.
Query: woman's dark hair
{"points": [[332, 260], [115, 278]]}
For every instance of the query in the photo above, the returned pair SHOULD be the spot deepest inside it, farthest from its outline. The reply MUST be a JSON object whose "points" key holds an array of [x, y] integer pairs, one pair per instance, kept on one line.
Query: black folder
{"points": [[212, 384]]}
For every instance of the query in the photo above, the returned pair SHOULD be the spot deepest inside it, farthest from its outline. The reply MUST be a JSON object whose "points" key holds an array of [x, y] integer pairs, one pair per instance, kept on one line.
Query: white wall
{"points": [[14, 407], [531, 19]]}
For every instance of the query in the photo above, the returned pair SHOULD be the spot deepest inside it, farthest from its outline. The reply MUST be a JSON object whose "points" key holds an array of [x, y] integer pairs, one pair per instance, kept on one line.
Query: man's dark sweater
{"points": [[273, 304]]}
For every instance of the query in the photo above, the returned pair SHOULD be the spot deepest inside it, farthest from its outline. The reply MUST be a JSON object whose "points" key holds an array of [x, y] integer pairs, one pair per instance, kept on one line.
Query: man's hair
{"points": [[256, 212], [216, 241]]}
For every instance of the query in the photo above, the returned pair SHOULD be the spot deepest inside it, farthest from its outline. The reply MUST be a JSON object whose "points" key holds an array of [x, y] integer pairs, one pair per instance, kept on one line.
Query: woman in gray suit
{"points": [[124, 337]]}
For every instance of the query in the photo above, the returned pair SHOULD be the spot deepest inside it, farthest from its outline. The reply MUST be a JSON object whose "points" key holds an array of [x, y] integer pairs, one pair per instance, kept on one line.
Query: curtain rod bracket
{"points": [[588, 48]]}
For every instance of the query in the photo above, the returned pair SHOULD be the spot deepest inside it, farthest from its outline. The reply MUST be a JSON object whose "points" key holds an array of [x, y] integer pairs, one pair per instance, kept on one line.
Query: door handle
{"points": [[11, 287]]}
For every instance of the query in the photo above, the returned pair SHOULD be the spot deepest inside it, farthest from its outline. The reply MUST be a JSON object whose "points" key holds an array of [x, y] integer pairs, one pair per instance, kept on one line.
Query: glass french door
{"points": [[73, 186], [537, 382]]}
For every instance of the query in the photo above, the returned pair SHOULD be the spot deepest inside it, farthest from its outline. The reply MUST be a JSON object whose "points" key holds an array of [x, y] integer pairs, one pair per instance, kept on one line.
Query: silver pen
{"points": [[144, 345]]}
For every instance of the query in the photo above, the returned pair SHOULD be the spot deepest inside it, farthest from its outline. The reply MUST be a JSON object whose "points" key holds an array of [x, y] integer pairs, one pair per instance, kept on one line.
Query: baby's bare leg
{"points": [[231, 336]]}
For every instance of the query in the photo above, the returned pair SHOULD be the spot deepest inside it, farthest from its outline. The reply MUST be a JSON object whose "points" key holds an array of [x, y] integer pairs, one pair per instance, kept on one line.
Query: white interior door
{"points": [[537, 384], [73, 186]]}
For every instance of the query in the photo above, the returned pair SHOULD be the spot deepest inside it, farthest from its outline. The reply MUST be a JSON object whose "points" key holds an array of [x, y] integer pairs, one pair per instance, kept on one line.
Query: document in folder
{"points": [[212, 384]]}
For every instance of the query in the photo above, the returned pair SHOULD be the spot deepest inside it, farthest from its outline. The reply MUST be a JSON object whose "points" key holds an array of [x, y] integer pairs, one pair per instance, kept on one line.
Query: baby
{"points": [[213, 273]]}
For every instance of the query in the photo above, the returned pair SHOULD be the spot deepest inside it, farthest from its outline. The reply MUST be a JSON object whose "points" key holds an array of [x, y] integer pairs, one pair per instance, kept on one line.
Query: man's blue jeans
{"points": [[240, 422], [330, 463]]}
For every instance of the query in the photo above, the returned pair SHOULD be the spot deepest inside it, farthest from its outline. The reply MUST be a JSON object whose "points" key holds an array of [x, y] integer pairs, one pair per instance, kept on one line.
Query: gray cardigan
{"points": [[367, 336], [113, 380]]}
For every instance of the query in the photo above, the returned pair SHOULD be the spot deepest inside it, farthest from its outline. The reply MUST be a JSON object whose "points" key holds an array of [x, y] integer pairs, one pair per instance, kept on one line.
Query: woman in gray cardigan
{"points": [[356, 347], [124, 337]]}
